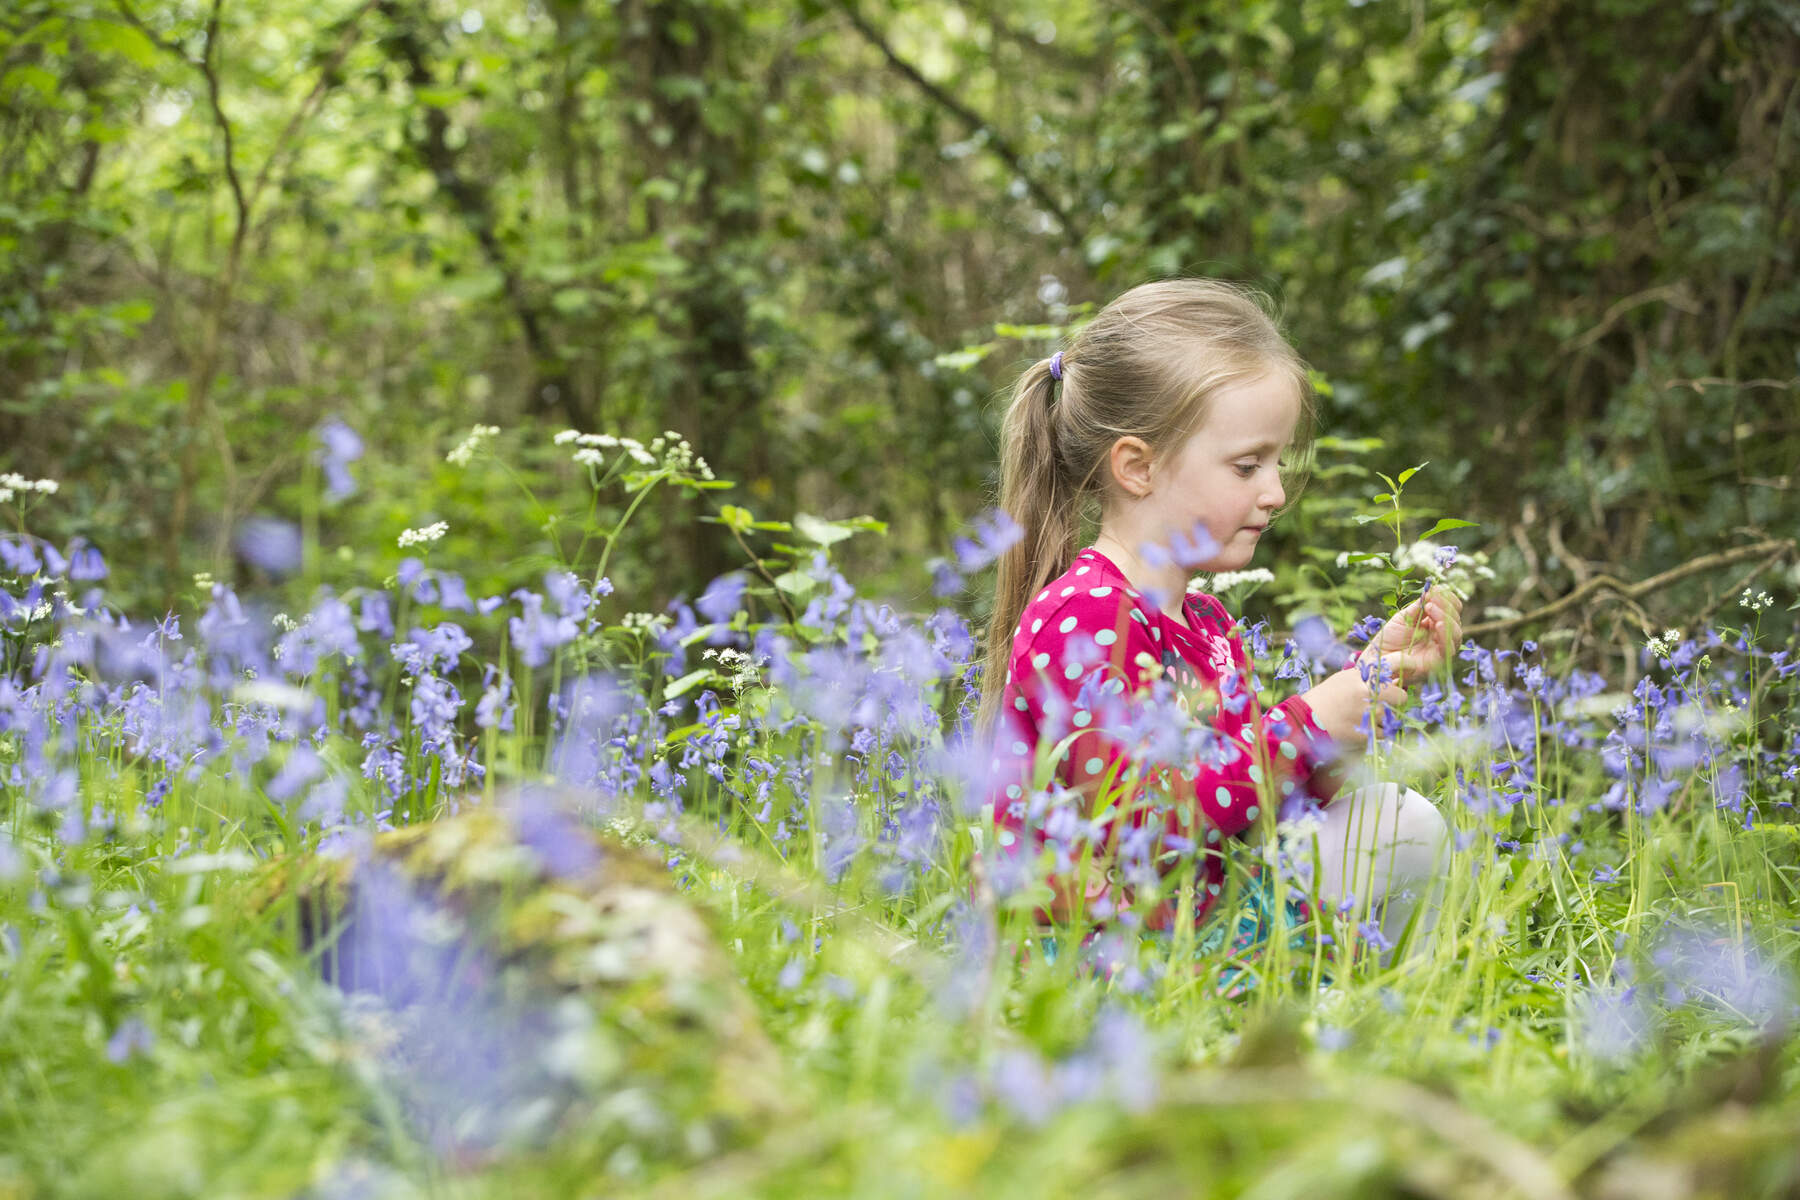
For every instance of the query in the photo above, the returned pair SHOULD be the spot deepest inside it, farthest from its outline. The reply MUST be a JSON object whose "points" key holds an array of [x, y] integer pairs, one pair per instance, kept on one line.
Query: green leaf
{"points": [[26, 75], [736, 518], [965, 358], [823, 532], [473, 285], [1411, 471], [123, 40], [685, 683], [1446, 524], [1038, 333], [438, 96], [573, 301], [1349, 445], [796, 584]]}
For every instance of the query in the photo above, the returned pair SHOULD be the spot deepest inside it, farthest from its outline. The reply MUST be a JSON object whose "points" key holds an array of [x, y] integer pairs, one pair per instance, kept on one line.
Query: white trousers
{"points": [[1381, 852]]}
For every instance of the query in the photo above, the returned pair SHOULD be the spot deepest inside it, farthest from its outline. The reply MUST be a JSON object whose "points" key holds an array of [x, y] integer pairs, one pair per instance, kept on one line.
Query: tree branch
{"points": [[1773, 549], [285, 143], [211, 75], [471, 202], [996, 141]]}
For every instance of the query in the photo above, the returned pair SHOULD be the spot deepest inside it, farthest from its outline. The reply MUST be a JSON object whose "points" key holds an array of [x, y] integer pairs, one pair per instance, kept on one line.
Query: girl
{"points": [[1170, 414]]}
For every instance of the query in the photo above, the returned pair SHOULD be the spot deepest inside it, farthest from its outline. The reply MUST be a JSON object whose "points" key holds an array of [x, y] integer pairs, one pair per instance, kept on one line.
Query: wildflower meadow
{"points": [[473, 878]]}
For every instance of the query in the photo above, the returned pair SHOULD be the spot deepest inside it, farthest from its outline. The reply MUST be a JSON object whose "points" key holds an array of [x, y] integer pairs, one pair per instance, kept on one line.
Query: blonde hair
{"points": [[1146, 366]]}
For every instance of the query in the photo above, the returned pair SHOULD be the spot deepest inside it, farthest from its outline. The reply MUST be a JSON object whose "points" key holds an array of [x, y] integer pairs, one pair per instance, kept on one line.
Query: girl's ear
{"points": [[1130, 459]]}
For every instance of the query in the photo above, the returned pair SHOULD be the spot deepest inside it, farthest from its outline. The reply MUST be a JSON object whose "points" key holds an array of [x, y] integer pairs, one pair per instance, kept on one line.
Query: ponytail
{"points": [[1036, 492]]}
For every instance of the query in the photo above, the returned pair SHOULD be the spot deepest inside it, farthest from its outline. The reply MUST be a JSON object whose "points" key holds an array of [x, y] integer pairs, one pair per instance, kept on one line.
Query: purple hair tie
{"points": [[1056, 365]]}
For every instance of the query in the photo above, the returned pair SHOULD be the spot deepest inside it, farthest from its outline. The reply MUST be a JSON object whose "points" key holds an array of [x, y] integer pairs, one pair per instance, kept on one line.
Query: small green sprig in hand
{"points": [[1424, 628]]}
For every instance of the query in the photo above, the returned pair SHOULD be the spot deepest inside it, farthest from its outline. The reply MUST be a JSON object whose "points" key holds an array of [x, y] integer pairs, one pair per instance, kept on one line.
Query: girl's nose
{"points": [[1274, 497]]}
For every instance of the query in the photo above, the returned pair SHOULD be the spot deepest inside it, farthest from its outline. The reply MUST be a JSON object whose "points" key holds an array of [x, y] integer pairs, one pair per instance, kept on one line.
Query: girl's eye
{"points": [[1246, 469]]}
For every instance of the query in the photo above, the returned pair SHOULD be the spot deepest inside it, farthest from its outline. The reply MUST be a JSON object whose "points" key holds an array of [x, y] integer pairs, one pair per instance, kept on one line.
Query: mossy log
{"points": [[526, 978]]}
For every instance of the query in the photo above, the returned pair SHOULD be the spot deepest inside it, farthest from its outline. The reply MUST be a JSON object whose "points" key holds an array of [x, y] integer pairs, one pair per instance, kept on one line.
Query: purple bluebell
{"points": [[325, 802], [18, 554], [129, 1040], [235, 639], [1611, 1022], [995, 533], [1189, 549], [303, 765], [339, 446], [438, 648], [376, 615], [551, 832], [85, 563], [945, 582], [537, 634], [495, 708], [580, 747], [722, 598], [1731, 974], [269, 544], [793, 972]]}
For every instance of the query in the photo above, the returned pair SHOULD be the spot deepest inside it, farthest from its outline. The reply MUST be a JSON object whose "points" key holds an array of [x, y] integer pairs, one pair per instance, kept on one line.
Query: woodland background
{"points": [[1549, 247]]}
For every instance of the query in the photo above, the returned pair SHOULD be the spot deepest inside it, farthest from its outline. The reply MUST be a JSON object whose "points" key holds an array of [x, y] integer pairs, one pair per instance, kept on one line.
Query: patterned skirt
{"points": [[1243, 931]]}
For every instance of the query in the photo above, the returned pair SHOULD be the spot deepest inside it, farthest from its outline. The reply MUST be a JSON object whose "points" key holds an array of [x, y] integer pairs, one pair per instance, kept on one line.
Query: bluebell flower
{"points": [[376, 615], [438, 649], [18, 554], [995, 534], [325, 802], [495, 708], [579, 750], [236, 643], [303, 765], [945, 582], [1611, 1023], [130, 1039], [722, 598], [453, 593], [269, 544], [535, 633], [85, 563], [553, 834], [572, 600], [1188, 549], [339, 446], [793, 973], [1022, 1084]]}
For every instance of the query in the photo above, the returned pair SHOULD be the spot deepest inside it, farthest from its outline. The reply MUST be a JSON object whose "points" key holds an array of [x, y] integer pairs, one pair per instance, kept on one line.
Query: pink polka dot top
{"points": [[1097, 665]]}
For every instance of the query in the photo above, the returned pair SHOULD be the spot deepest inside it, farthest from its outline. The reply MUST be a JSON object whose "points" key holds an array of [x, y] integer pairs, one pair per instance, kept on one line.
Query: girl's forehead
{"points": [[1260, 410]]}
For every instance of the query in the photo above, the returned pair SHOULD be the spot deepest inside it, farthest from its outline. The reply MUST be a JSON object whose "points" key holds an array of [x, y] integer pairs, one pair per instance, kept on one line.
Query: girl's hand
{"points": [[1419, 638]]}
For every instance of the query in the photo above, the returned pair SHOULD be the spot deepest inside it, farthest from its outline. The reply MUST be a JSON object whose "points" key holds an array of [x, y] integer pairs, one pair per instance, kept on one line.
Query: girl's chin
{"points": [[1226, 562]]}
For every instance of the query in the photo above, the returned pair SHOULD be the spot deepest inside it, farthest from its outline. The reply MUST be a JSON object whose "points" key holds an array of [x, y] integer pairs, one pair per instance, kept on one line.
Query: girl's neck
{"points": [[1167, 586]]}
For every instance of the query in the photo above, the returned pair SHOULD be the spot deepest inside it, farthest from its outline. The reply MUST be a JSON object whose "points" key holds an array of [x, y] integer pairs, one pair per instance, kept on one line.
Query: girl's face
{"points": [[1227, 474]]}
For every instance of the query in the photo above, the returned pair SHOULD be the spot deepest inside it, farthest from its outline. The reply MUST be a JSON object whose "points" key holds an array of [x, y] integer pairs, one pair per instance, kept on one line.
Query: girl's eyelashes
{"points": [[1247, 469]]}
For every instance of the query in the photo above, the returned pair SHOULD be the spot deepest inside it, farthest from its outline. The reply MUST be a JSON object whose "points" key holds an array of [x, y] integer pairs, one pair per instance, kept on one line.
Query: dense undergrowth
{"points": [[1608, 999]]}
